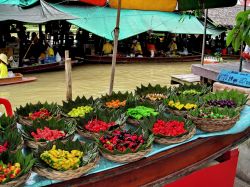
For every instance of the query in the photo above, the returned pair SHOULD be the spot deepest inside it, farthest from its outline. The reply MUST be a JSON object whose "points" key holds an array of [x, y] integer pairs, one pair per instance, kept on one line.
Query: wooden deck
{"points": [[185, 79], [211, 71]]}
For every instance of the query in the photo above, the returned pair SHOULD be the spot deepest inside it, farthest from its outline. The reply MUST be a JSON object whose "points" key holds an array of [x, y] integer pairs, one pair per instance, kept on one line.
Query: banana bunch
{"points": [[62, 160]]}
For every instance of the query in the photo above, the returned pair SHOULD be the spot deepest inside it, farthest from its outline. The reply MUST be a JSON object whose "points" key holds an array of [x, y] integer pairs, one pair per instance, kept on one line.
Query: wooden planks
{"points": [[185, 79]]}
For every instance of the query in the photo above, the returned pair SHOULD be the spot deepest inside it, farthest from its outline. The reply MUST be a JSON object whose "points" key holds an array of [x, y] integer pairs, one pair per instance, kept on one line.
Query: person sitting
{"points": [[246, 53], [107, 48], [136, 48], [173, 47], [3, 66]]}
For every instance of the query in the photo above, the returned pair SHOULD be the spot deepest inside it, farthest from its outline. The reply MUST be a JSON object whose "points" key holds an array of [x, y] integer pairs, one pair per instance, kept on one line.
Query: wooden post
{"points": [[68, 76], [204, 37], [116, 33]]}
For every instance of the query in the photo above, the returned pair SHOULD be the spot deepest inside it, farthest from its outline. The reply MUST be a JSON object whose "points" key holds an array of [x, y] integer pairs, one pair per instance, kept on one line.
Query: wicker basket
{"points": [[133, 122], [126, 158], [65, 175], [20, 146], [174, 140], [213, 125], [87, 134], [34, 145], [23, 121], [17, 182], [177, 112]]}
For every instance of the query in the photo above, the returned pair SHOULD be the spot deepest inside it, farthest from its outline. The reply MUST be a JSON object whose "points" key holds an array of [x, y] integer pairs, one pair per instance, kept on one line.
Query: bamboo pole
{"points": [[68, 76], [204, 38], [116, 33]]}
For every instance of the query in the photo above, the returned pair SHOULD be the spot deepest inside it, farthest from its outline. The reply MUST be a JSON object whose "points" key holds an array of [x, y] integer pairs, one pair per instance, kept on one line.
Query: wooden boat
{"points": [[42, 67], [16, 80], [94, 2], [94, 59], [159, 5]]}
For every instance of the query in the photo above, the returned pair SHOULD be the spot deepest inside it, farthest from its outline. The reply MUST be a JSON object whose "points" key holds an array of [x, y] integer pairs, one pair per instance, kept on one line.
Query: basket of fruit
{"points": [[15, 168], [10, 140], [30, 112], [125, 146], [7, 123], [116, 100], [214, 119], [230, 99], [153, 94], [102, 120], [170, 129], [65, 161], [180, 105], [78, 108], [193, 89], [44, 131]]}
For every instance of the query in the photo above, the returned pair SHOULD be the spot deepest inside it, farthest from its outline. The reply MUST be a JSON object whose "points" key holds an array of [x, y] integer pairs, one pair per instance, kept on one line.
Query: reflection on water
{"points": [[91, 80]]}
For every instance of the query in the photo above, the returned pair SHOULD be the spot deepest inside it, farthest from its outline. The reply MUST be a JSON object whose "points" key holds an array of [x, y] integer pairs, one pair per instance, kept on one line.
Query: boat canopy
{"points": [[21, 3], [36, 14], [101, 21]]}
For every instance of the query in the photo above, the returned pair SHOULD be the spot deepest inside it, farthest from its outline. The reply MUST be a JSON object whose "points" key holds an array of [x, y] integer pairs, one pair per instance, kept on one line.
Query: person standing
{"points": [[246, 53], [3, 66]]}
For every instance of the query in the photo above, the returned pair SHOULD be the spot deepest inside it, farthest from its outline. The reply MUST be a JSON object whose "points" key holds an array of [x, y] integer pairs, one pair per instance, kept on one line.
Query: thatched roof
{"points": [[225, 16]]}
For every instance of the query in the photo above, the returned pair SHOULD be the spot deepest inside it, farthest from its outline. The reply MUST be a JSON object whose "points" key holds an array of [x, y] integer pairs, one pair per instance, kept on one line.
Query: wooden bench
{"points": [[185, 79]]}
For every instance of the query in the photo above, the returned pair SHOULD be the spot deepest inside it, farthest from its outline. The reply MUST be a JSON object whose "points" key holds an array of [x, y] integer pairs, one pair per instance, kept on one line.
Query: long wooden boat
{"points": [[92, 59], [165, 167], [42, 67], [16, 80]]}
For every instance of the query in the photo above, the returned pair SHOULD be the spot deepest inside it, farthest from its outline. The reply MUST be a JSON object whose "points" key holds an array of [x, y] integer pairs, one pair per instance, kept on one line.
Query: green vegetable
{"points": [[140, 112], [80, 111]]}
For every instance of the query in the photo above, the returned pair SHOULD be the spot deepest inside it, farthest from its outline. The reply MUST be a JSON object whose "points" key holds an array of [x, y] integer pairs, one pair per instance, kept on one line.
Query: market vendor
{"points": [[3, 66], [173, 47], [136, 48], [107, 48], [246, 53]]}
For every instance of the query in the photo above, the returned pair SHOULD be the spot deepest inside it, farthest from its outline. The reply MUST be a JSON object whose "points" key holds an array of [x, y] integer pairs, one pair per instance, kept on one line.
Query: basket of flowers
{"points": [[230, 99], [214, 119], [10, 140], [7, 123], [125, 146], [101, 121], [15, 168], [154, 94], [44, 131], [193, 89], [180, 105], [116, 100], [30, 112], [78, 108], [65, 161], [170, 129]]}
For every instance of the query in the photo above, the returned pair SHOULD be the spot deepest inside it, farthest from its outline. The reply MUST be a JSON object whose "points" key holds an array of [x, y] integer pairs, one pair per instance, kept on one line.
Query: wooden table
{"points": [[163, 167]]}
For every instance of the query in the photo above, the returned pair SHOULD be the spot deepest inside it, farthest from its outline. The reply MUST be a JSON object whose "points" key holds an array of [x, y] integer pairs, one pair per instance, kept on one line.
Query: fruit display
{"points": [[47, 134], [96, 125], [115, 103], [62, 160], [222, 103], [169, 128], [4, 147], [191, 92], [42, 113], [80, 111], [10, 140], [192, 89], [155, 96], [140, 112], [9, 171], [180, 106]]}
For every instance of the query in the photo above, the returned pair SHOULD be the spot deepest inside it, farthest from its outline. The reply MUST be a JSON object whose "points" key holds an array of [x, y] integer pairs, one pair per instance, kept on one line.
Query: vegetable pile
{"points": [[141, 111], [181, 106], [121, 141], [191, 92], [80, 111], [9, 171], [41, 114], [155, 96], [62, 160], [96, 125], [4, 147], [47, 134], [169, 128], [222, 103], [115, 103], [212, 115]]}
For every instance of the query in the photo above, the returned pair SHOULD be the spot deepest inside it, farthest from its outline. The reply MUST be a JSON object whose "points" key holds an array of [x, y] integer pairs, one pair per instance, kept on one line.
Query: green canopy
{"points": [[18, 2], [101, 21]]}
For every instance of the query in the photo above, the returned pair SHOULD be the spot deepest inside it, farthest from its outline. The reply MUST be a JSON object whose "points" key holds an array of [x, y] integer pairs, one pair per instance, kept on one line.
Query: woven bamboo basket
{"points": [[178, 112], [87, 134], [213, 125], [20, 146], [34, 145], [17, 182], [65, 175], [23, 121], [133, 122], [126, 158], [174, 140]]}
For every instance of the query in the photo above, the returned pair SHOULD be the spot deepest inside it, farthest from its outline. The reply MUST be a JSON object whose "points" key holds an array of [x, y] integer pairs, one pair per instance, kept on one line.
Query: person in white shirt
{"points": [[246, 53]]}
